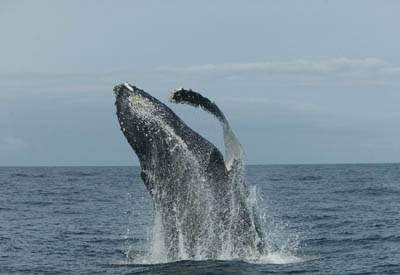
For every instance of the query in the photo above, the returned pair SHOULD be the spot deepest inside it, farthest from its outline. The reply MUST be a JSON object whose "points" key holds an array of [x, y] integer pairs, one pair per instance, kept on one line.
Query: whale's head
{"points": [[142, 118]]}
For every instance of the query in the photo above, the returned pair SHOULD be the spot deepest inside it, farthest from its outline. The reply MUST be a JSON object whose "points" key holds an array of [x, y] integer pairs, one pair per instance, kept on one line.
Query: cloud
{"points": [[250, 100], [301, 66], [11, 143], [275, 106]]}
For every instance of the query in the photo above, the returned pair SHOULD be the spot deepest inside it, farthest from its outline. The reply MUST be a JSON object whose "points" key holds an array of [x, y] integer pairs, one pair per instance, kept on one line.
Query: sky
{"points": [[299, 81]]}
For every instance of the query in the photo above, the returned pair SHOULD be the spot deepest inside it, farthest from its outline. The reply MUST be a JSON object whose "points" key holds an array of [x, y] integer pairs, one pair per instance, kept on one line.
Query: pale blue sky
{"points": [[299, 81]]}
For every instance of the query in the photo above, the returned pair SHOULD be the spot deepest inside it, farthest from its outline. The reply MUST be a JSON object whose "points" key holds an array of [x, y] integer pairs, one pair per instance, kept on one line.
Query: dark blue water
{"points": [[324, 219]]}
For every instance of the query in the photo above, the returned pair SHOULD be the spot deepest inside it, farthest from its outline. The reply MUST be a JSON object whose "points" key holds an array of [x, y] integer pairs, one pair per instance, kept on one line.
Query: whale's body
{"points": [[201, 204]]}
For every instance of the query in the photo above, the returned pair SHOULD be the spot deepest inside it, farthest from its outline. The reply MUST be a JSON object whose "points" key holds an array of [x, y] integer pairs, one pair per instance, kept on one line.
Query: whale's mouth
{"points": [[117, 90]]}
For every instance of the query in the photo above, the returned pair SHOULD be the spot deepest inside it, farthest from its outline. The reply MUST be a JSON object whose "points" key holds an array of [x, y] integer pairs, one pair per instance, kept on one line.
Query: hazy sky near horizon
{"points": [[299, 81]]}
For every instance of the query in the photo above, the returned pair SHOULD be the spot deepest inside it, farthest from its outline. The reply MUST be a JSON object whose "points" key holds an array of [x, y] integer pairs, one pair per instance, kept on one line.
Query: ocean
{"points": [[322, 219]]}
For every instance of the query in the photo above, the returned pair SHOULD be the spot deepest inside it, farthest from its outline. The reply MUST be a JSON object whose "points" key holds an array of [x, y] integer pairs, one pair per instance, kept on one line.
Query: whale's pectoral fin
{"points": [[233, 149], [194, 99]]}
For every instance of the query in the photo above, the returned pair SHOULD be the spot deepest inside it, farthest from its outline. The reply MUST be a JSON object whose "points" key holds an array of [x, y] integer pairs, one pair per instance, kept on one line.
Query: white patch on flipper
{"points": [[171, 97]]}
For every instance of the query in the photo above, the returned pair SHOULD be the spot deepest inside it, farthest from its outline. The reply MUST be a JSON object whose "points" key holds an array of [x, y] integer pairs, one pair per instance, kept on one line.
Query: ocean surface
{"points": [[323, 219]]}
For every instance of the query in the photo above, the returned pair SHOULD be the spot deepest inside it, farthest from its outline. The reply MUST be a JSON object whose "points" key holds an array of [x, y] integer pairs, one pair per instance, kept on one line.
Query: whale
{"points": [[203, 207]]}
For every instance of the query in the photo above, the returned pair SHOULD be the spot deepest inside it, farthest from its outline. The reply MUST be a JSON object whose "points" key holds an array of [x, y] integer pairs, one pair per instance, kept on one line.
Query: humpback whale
{"points": [[201, 202]]}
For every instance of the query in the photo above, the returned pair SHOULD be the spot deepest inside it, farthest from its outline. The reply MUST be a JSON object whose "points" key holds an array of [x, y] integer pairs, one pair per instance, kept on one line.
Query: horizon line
{"points": [[253, 164]]}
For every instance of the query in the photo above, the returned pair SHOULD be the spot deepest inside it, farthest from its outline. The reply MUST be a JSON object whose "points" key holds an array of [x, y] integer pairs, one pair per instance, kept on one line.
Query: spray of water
{"points": [[280, 245]]}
